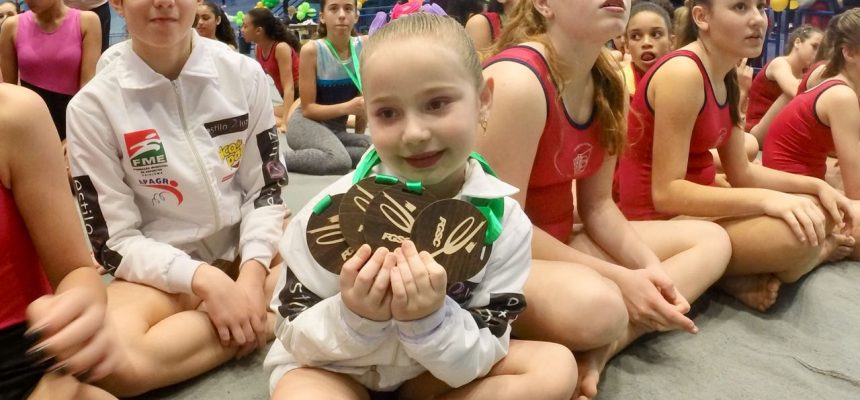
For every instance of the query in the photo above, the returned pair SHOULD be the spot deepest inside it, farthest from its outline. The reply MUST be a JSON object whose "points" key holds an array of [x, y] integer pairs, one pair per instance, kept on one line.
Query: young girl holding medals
{"points": [[367, 307]]}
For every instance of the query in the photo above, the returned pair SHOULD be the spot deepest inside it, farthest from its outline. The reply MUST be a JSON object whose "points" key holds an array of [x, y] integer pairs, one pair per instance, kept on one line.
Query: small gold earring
{"points": [[484, 126]]}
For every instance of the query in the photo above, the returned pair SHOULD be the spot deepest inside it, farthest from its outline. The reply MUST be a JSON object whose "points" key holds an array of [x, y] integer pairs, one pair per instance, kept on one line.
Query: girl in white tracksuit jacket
{"points": [[385, 322], [175, 162]]}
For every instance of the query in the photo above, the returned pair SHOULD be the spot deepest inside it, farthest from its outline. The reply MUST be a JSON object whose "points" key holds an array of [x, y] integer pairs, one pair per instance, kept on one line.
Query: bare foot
{"points": [[755, 291], [837, 248], [590, 365]]}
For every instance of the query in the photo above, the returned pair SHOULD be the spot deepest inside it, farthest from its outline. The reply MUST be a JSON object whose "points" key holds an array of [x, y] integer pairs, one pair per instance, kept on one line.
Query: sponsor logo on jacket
{"points": [[145, 151], [227, 126]]}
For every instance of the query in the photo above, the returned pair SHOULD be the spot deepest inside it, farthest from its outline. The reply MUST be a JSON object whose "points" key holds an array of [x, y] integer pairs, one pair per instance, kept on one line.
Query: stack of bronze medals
{"points": [[382, 211]]}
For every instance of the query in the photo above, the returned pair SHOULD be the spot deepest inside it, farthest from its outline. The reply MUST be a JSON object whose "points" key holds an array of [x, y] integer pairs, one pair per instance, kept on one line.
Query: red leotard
{"points": [[495, 21], [566, 151], [712, 128], [22, 279], [270, 65], [797, 141], [763, 93], [805, 80]]}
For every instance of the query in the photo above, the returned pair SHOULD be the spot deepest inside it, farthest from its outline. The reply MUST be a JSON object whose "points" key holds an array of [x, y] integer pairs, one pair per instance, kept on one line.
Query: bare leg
{"points": [[572, 305], [315, 384], [164, 338], [536, 370], [694, 255], [60, 387]]}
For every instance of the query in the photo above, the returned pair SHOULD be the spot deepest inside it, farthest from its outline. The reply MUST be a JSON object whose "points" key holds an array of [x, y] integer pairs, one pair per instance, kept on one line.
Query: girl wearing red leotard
{"points": [[686, 99], [781, 75], [52, 301], [486, 27], [824, 119], [559, 117]]}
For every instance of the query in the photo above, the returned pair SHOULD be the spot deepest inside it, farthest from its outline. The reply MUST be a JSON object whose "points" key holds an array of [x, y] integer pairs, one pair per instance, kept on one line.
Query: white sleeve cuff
{"points": [[257, 250], [421, 328], [362, 328], [180, 273]]}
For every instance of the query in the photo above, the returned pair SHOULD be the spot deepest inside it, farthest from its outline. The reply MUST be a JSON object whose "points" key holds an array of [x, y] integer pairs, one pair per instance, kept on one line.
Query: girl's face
{"points": [[647, 39], [598, 21], [423, 109], [735, 26], [806, 49], [157, 24], [38, 6], [339, 16], [249, 30], [6, 10], [206, 21]]}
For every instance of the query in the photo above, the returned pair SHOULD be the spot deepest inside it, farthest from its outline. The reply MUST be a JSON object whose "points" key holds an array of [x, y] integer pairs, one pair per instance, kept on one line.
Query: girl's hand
{"points": [[228, 306], [801, 214], [418, 284], [252, 279], [839, 207], [355, 106], [652, 300], [364, 283], [70, 328]]}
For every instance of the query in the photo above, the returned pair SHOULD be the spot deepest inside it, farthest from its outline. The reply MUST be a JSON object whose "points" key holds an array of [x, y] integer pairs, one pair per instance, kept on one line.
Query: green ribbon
{"points": [[493, 209], [354, 76], [321, 206]]}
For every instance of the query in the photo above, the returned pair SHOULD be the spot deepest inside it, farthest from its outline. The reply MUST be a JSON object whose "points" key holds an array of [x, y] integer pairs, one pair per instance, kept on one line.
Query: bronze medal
{"points": [[391, 215], [354, 205], [453, 232], [325, 241]]}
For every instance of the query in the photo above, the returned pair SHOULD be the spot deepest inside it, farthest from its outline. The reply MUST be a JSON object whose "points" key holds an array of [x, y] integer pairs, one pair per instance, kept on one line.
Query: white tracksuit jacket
{"points": [[170, 174], [456, 344]]}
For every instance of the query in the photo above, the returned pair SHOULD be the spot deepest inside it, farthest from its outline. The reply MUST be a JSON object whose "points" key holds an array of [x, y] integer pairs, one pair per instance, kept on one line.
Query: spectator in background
{"points": [[212, 23], [8, 8], [53, 49], [102, 10]]}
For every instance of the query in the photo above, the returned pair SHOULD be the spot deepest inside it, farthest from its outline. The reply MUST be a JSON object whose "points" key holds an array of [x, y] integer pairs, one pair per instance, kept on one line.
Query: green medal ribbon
{"points": [[493, 209], [354, 76]]}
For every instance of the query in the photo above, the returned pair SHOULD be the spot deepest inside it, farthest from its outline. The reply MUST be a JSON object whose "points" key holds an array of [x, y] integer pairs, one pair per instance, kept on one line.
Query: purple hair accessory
{"points": [[434, 8], [378, 21]]}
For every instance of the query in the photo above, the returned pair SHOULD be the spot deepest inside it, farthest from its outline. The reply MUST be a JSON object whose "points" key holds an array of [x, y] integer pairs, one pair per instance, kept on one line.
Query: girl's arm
{"points": [[677, 96], [91, 48], [308, 90], [779, 71], [8, 55], [283, 55], [838, 107], [479, 30], [515, 125], [70, 321]]}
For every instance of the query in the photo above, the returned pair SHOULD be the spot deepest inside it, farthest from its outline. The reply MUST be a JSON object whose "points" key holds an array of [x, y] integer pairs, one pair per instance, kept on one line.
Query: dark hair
{"points": [[843, 33], [643, 6], [666, 5], [689, 34], [495, 6], [13, 2], [803, 32], [321, 30], [461, 10], [273, 27], [224, 31]]}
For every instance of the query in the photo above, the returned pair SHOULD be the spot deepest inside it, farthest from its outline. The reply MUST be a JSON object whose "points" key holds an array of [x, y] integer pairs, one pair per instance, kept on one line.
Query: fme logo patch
{"points": [[144, 149]]}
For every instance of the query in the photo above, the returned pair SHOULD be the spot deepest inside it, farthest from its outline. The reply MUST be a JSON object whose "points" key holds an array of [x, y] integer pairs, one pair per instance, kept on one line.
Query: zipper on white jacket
{"points": [[197, 159]]}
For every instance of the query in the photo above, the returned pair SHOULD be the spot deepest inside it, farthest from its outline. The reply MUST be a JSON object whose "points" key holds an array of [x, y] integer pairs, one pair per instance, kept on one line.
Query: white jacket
{"points": [[170, 174], [457, 345]]}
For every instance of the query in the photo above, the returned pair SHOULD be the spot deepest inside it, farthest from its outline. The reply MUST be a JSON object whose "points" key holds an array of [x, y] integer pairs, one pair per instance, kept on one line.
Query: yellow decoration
{"points": [[778, 5], [259, 5], [793, 4]]}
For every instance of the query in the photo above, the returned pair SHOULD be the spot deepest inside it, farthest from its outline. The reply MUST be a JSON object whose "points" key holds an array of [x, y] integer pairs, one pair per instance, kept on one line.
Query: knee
{"points": [[717, 245], [606, 322], [554, 370], [127, 382]]}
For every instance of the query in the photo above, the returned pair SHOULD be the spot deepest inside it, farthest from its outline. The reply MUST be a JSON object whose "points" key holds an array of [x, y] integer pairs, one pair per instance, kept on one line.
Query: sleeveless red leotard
{"points": [[22, 279], [566, 151], [763, 93], [712, 128], [797, 141]]}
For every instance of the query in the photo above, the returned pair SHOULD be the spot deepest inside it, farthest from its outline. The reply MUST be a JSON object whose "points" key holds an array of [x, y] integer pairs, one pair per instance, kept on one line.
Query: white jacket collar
{"points": [[138, 75], [479, 184]]}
